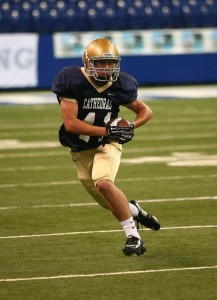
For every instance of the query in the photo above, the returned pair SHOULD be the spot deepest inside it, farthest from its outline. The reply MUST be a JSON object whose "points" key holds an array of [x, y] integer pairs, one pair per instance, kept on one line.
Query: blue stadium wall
{"points": [[167, 69], [148, 69]]}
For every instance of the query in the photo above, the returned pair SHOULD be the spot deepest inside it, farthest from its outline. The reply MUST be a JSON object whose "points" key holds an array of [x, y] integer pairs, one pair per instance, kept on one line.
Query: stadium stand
{"points": [[77, 15]]}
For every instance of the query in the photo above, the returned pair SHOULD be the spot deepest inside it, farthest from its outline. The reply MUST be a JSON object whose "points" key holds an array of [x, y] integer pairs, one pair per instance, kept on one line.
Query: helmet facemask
{"points": [[104, 74]]}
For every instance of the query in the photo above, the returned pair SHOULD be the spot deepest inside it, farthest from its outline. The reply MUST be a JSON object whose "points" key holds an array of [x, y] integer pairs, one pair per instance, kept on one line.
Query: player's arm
{"points": [[69, 111], [142, 111]]}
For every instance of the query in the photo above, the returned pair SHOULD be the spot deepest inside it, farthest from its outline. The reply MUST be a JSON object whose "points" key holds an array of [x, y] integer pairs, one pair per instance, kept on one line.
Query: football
{"points": [[118, 122]]}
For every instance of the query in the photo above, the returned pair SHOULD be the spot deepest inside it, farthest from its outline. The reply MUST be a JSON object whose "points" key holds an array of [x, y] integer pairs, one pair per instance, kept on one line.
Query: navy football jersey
{"points": [[96, 105]]}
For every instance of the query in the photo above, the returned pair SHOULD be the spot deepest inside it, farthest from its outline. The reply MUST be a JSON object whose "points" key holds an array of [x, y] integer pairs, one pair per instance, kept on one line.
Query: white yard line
{"points": [[202, 198], [97, 232], [63, 152], [56, 183], [36, 168], [182, 92], [199, 268]]}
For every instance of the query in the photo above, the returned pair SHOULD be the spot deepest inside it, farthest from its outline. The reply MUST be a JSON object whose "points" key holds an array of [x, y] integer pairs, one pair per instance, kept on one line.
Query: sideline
{"points": [[108, 274], [145, 93]]}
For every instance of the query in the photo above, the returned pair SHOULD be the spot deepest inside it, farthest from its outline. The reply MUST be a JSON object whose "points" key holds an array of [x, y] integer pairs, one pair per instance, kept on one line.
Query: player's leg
{"points": [[83, 161], [105, 167]]}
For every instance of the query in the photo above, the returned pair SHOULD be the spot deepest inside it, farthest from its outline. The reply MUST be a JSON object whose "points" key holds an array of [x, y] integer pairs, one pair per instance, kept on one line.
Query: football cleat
{"points": [[145, 219], [134, 246]]}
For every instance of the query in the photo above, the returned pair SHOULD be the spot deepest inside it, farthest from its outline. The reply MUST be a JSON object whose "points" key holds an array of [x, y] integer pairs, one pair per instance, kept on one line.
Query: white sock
{"points": [[134, 210], [129, 227]]}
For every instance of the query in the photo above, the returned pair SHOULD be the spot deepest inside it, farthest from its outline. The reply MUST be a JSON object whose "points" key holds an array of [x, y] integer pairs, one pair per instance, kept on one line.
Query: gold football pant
{"points": [[97, 164]]}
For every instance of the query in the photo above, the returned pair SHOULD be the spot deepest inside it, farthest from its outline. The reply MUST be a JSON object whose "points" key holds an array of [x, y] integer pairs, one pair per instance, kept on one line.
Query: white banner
{"points": [[18, 60]]}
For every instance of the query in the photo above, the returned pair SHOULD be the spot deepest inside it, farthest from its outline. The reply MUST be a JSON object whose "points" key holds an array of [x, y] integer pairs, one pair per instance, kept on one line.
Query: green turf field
{"points": [[56, 243]]}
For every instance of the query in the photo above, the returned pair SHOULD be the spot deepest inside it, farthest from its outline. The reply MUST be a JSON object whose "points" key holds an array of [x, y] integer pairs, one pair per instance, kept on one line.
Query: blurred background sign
{"points": [[18, 60]]}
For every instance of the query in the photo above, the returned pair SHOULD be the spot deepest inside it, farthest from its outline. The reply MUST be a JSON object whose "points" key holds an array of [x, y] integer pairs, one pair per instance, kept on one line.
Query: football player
{"points": [[89, 98]]}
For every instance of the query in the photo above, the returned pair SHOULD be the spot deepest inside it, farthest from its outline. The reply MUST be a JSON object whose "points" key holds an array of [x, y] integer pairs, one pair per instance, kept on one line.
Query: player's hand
{"points": [[121, 135]]}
